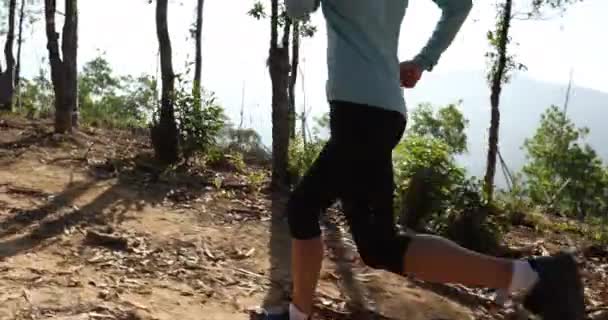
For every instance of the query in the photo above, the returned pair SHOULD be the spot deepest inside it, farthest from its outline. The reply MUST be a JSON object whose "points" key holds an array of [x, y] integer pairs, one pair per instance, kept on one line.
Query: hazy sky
{"points": [[235, 47]]}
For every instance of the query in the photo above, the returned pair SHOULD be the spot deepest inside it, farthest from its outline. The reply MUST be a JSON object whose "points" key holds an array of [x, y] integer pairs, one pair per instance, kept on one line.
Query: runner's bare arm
{"points": [[300, 9], [453, 17]]}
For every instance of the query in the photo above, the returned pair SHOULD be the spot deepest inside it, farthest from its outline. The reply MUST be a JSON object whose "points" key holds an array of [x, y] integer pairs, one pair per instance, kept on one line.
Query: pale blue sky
{"points": [[236, 46]]}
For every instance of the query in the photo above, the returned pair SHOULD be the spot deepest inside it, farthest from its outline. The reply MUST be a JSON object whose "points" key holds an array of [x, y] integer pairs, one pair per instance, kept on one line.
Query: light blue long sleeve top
{"points": [[363, 41]]}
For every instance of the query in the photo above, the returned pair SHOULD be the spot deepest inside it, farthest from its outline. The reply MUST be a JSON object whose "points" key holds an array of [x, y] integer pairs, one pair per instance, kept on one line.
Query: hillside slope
{"points": [[92, 228]]}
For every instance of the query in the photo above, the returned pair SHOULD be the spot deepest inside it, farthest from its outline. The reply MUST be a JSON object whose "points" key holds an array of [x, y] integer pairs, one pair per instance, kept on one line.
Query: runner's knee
{"points": [[384, 252], [302, 218]]}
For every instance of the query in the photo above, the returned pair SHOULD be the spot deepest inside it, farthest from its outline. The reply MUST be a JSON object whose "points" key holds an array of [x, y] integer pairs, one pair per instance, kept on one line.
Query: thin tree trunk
{"points": [[19, 44], [7, 78], [496, 82], [70, 60], [279, 74], [286, 35], [278, 65], [63, 119], [303, 132], [199, 59], [242, 107], [164, 133], [274, 23], [295, 57]]}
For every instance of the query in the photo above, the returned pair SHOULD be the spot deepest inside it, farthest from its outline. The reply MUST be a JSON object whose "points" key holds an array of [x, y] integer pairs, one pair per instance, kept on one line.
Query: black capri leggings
{"points": [[355, 167]]}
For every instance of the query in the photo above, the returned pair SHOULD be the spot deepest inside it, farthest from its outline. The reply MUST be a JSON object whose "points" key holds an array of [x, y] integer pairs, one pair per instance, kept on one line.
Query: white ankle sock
{"points": [[524, 277], [296, 314]]}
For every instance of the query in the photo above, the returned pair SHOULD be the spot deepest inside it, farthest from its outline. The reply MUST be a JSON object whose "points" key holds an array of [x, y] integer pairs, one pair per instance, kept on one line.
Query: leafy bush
{"points": [[598, 230], [466, 228], [562, 174], [108, 100], [302, 156], [246, 142], [425, 177], [36, 97], [257, 179], [199, 122], [446, 124], [433, 193], [221, 159]]}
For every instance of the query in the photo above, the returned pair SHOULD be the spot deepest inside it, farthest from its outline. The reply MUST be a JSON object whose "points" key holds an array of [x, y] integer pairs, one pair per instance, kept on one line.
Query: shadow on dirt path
{"points": [[334, 241], [132, 190]]}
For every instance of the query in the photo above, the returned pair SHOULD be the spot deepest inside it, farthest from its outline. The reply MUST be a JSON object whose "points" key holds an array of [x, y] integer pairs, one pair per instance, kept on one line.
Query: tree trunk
{"points": [[295, 57], [303, 132], [496, 83], [199, 59], [19, 44], [279, 74], [70, 60], [63, 120], [164, 133], [7, 78]]}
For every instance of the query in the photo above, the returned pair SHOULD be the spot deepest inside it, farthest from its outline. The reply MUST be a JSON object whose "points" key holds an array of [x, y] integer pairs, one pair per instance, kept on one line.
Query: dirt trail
{"points": [[94, 232]]}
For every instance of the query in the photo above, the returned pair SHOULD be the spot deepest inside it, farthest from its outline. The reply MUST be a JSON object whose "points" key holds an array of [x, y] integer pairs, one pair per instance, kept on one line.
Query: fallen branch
{"points": [[135, 304], [22, 190], [248, 272], [106, 240], [600, 316], [598, 309], [83, 158], [95, 315], [12, 125]]}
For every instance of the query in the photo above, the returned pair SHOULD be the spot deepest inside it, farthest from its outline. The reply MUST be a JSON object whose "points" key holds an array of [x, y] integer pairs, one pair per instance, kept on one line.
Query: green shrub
{"points": [[302, 156], [564, 174], [108, 100], [36, 98], [199, 122], [245, 141], [598, 230], [425, 177], [480, 235], [225, 160], [434, 195], [303, 153], [257, 179]]}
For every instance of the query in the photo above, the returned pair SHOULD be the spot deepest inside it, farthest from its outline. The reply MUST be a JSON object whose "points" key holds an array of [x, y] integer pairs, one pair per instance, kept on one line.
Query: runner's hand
{"points": [[410, 73]]}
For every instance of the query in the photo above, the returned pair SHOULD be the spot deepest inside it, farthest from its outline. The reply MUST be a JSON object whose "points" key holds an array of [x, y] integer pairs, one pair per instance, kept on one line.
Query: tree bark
{"points": [[70, 60], [164, 133], [64, 73], [7, 78], [295, 58], [199, 59], [278, 62], [19, 44], [496, 88], [303, 129], [63, 121]]}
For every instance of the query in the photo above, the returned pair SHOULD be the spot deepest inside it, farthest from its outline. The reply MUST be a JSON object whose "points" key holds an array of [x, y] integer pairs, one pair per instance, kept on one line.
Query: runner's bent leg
{"points": [[367, 198], [356, 166]]}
